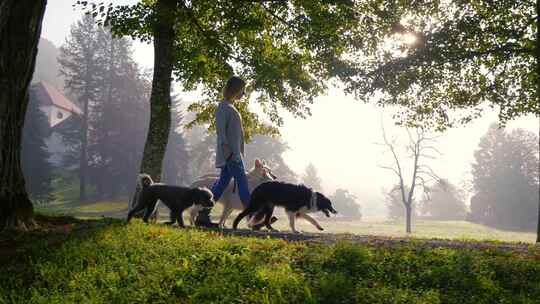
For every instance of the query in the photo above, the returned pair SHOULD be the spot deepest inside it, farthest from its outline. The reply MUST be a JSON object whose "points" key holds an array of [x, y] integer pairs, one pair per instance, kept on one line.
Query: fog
{"points": [[341, 135]]}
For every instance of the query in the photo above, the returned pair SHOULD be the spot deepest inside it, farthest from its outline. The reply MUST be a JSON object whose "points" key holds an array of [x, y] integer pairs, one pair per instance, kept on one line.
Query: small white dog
{"points": [[230, 198]]}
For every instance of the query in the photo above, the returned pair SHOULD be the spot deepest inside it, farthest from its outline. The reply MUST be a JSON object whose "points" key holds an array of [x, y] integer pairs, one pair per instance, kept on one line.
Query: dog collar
{"points": [[313, 200]]}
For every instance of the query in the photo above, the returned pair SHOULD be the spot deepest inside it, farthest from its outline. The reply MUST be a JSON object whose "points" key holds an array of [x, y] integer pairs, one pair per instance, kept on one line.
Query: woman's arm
{"points": [[221, 130]]}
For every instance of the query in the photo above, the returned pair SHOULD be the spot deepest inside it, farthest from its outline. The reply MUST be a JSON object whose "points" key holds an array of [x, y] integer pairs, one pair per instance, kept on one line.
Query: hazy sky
{"points": [[340, 136]]}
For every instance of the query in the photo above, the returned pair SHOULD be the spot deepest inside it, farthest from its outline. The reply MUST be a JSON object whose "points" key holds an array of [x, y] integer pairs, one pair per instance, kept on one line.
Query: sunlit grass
{"points": [[425, 229], [107, 261], [66, 202], [103, 206], [380, 227]]}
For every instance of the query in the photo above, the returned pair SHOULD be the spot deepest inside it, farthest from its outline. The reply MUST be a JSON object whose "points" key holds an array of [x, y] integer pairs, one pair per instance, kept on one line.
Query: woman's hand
{"points": [[227, 151]]}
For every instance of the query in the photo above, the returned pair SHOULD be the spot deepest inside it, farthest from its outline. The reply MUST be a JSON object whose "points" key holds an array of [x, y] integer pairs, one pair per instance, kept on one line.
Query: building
{"points": [[58, 109]]}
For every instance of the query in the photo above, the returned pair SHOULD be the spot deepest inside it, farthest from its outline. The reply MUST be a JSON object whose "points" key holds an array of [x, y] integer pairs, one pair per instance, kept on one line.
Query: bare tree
{"points": [[419, 148]]}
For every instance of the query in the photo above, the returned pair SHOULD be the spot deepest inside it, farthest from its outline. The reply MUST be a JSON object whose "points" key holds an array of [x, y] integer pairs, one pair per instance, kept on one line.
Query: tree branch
{"points": [[390, 168], [211, 36], [280, 19]]}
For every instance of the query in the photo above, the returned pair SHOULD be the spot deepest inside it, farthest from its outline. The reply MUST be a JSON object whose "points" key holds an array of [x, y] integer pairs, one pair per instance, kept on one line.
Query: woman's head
{"points": [[234, 88]]}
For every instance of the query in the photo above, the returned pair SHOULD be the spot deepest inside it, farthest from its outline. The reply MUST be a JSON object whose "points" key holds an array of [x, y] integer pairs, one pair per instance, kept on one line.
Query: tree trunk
{"points": [[20, 28], [83, 161], [538, 90], [538, 225], [408, 210], [160, 99]]}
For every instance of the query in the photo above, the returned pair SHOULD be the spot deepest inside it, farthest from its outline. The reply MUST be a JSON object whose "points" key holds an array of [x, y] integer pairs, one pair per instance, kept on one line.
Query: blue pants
{"points": [[232, 169]]}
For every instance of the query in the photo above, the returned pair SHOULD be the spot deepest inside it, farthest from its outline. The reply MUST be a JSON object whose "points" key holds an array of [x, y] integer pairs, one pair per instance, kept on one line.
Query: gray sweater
{"points": [[229, 131]]}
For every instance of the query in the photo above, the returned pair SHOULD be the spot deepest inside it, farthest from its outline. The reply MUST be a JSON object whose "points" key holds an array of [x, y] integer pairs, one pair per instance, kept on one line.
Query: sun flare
{"points": [[409, 38]]}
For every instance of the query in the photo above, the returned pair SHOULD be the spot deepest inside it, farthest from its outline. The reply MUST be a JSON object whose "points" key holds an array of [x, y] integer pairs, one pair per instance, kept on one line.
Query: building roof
{"points": [[47, 94]]}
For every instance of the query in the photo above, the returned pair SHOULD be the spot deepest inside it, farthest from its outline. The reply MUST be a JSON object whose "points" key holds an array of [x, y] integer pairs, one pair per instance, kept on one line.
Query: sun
{"points": [[409, 38]]}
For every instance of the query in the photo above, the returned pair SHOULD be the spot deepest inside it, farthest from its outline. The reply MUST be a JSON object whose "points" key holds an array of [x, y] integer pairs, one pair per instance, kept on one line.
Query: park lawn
{"points": [[107, 261], [66, 203], [461, 230], [116, 209], [423, 229]]}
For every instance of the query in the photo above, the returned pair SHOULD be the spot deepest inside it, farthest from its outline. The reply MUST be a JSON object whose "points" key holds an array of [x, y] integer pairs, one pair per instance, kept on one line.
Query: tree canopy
{"points": [[101, 75], [429, 57], [444, 201], [506, 179], [446, 56], [287, 50], [346, 204], [311, 177]]}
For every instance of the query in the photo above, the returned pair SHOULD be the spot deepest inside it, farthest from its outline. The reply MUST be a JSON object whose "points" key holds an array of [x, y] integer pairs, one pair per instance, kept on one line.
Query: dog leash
{"points": [[262, 179]]}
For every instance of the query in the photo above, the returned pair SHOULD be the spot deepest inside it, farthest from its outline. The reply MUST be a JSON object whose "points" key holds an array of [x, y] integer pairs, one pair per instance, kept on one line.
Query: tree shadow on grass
{"points": [[50, 230]]}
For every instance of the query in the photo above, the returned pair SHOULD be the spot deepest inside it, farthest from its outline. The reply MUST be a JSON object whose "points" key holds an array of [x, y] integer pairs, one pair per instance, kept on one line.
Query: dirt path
{"points": [[56, 230], [386, 241]]}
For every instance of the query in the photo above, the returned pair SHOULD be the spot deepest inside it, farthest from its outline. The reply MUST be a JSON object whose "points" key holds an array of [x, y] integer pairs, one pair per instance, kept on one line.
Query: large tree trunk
{"points": [[160, 99], [408, 211], [20, 28]]}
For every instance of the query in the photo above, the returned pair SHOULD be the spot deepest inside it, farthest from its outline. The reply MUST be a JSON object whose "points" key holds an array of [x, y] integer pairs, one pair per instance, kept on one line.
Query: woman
{"points": [[230, 141], [230, 148], [230, 152]]}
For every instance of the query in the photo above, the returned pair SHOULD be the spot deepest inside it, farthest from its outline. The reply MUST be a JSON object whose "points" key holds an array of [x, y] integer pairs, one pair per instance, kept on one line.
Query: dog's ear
{"points": [[201, 196]]}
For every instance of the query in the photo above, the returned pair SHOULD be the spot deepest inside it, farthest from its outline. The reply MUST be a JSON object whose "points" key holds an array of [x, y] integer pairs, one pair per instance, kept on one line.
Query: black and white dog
{"points": [[143, 180], [298, 200], [176, 198]]}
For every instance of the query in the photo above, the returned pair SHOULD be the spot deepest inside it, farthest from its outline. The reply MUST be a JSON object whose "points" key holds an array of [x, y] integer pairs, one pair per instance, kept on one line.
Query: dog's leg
{"points": [[257, 219], [149, 210], [180, 218], [240, 216], [311, 220], [292, 217], [136, 209], [268, 217], [155, 213], [172, 217], [227, 210], [193, 214]]}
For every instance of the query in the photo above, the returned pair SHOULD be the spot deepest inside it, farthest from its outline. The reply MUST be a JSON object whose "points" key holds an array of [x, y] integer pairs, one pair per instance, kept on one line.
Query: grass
{"points": [[375, 226], [66, 203], [428, 229], [107, 261]]}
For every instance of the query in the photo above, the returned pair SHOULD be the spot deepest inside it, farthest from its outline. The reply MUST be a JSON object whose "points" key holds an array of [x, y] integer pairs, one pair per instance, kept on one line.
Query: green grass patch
{"points": [[107, 261], [424, 229], [460, 230], [102, 206]]}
